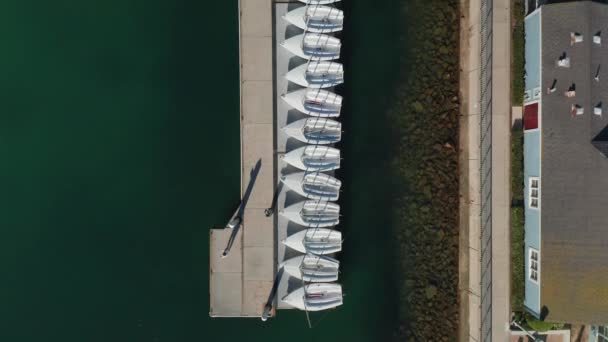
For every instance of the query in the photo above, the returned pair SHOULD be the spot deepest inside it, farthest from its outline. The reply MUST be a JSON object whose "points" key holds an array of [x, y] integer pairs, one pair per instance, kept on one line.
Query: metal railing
{"points": [[486, 169]]}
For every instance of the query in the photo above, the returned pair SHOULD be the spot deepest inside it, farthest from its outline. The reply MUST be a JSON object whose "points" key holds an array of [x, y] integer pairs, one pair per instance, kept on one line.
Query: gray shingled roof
{"points": [[574, 202]]}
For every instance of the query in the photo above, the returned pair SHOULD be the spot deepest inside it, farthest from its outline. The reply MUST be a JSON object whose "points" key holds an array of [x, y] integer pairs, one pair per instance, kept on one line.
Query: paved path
{"points": [[501, 170], [470, 240], [470, 265]]}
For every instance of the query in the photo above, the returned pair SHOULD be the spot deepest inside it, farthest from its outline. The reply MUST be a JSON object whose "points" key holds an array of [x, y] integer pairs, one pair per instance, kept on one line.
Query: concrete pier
{"points": [[241, 282]]}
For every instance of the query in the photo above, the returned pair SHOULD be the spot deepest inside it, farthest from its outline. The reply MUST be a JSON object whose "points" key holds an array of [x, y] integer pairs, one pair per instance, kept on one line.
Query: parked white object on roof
{"points": [[315, 46], [315, 102], [597, 38], [563, 62], [315, 297], [315, 240], [575, 37], [576, 110], [316, 18]]}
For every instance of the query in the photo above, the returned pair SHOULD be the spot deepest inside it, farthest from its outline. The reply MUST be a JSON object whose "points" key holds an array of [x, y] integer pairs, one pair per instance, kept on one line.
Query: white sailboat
{"points": [[318, 241], [315, 297], [313, 213], [317, 74], [314, 158], [315, 102], [317, 131], [318, 2], [312, 268], [313, 185], [315, 46], [316, 18]]}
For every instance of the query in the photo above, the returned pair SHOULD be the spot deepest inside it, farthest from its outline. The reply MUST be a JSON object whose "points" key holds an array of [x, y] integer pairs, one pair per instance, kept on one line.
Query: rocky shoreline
{"points": [[425, 115]]}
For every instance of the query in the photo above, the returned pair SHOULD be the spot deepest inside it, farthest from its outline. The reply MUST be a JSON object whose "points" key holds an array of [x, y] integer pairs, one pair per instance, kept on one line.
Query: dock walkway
{"points": [[241, 283]]}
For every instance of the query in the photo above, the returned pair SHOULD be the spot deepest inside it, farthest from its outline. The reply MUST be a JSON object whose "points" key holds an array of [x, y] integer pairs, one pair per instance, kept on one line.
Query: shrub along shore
{"points": [[425, 115]]}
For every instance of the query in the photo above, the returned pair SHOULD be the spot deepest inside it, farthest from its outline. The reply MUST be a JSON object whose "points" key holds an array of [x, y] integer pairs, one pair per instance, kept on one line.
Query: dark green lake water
{"points": [[119, 149]]}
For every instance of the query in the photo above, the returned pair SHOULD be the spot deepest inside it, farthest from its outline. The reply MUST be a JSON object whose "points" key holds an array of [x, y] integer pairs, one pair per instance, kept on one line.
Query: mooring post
{"points": [[273, 293], [234, 224], [269, 211]]}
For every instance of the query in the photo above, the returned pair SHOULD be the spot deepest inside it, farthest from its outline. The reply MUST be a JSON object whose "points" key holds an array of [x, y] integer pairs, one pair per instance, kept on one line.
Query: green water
{"points": [[119, 149]]}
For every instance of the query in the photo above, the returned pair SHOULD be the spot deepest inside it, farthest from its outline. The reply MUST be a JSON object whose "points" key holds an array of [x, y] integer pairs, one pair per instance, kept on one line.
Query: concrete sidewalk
{"points": [[470, 197], [469, 263], [240, 284], [501, 170]]}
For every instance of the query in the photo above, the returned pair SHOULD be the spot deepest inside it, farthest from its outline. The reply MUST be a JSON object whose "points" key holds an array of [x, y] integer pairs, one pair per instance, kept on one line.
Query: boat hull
{"points": [[312, 213], [315, 297], [314, 158], [315, 102], [319, 2], [314, 46], [316, 18], [312, 268], [314, 185], [317, 74], [319, 241], [316, 131]]}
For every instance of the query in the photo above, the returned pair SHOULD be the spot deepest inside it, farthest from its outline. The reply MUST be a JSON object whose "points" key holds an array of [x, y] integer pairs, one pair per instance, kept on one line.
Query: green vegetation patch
{"points": [[517, 51], [517, 221]]}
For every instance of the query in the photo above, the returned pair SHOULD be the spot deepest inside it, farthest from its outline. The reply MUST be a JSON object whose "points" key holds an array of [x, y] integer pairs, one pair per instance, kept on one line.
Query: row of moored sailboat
{"points": [[317, 212]]}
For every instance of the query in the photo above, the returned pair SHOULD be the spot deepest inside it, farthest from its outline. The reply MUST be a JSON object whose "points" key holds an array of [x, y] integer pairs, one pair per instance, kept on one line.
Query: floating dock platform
{"points": [[240, 284]]}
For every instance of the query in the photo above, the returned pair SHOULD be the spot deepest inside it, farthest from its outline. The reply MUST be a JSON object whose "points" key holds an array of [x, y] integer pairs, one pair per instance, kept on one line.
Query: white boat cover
{"points": [[313, 213], [312, 268], [315, 46], [316, 18], [313, 185], [315, 297], [318, 131], [315, 102], [319, 2], [317, 74], [314, 158], [318, 241]]}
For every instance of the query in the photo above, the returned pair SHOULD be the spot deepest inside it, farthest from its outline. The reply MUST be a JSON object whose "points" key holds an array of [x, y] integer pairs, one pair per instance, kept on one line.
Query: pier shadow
{"points": [[292, 144], [273, 291], [295, 62], [292, 31], [294, 5], [253, 177], [295, 115], [288, 169], [238, 215], [292, 197], [275, 197], [293, 87], [293, 228]]}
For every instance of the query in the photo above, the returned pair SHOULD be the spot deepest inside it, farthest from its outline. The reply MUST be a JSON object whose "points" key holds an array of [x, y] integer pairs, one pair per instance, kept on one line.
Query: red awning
{"points": [[531, 116]]}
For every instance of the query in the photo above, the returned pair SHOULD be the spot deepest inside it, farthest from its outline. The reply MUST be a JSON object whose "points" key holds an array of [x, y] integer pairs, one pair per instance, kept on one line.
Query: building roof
{"points": [[574, 189]]}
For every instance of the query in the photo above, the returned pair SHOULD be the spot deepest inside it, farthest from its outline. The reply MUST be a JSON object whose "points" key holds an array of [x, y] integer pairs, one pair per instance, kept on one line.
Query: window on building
{"points": [[533, 265], [602, 335], [534, 192]]}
